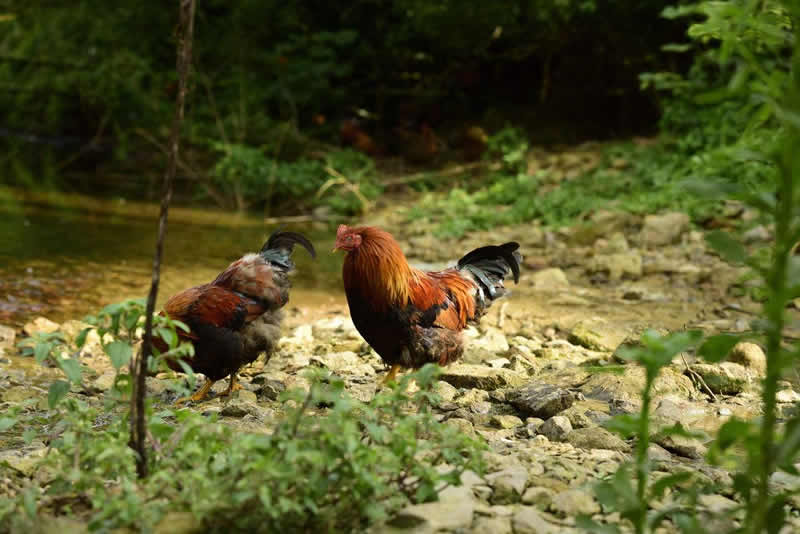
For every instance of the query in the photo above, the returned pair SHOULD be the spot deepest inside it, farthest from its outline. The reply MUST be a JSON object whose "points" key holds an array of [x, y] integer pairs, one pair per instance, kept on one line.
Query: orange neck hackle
{"points": [[377, 268]]}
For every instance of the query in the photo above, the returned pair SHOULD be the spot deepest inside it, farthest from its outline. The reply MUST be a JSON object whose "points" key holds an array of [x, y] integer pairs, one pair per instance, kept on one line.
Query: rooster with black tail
{"points": [[411, 317], [237, 316]]}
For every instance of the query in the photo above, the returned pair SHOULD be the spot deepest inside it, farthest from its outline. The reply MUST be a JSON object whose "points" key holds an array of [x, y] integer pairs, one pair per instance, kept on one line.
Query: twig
{"points": [[451, 171], [696, 377], [184, 62]]}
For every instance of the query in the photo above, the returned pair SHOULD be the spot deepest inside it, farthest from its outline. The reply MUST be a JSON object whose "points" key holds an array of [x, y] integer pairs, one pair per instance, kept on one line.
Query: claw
{"points": [[390, 376], [199, 395], [233, 385]]}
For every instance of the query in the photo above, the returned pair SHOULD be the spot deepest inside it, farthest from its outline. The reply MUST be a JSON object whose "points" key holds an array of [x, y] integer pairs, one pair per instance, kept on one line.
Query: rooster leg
{"points": [[200, 394], [392, 374], [233, 385]]}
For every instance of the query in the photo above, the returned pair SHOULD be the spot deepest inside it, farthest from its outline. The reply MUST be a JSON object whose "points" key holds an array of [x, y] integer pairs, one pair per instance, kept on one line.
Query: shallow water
{"points": [[65, 256]]}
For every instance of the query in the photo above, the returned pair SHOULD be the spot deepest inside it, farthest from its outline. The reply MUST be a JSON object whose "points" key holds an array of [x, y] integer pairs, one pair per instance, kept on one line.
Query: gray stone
{"points": [[453, 511], [492, 525], [508, 484], [596, 334], [505, 421], [7, 336], [556, 428], [346, 362], [682, 446], [528, 520], [463, 425], [749, 355], [40, 325], [577, 416], [445, 391], [548, 279], [726, 378], [623, 391], [757, 233], [658, 453], [238, 408], [540, 400], [270, 389], [596, 438], [787, 395], [483, 345], [574, 502], [481, 377], [538, 496], [665, 229], [618, 265], [614, 244]]}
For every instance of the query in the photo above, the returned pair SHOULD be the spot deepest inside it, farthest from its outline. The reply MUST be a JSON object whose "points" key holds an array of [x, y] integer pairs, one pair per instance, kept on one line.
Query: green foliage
{"points": [[331, 464], [247, 172]]}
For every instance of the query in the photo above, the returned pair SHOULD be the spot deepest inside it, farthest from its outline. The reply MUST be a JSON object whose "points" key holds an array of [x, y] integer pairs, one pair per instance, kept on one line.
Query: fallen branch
{"points": [[695, 376], [450, 171]]}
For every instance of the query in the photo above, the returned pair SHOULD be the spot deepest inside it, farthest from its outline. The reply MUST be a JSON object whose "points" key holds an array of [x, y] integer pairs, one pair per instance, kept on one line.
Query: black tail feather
{"points": [[286, 241], [486, 259]]}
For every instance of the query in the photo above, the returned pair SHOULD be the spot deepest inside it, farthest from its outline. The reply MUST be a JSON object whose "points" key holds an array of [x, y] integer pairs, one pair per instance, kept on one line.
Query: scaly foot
{"points": [[233, 385], [390, 376], [199, 395]]}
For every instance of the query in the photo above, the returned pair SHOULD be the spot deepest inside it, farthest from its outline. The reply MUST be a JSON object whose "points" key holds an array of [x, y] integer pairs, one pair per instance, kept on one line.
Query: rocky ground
{"points": [[535, 380]]}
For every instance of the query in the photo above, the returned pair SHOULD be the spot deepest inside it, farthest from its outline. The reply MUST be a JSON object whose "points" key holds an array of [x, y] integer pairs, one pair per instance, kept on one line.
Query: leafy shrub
{"points": [[332, 463]]}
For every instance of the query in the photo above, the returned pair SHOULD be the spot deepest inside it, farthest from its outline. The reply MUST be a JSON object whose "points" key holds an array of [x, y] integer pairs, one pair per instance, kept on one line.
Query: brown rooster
{"points": [[238, 315], [411, 317]]}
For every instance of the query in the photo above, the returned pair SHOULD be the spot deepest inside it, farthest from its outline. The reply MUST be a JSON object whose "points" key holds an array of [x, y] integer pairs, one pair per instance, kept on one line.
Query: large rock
{"points": [[556, 428], [726, 378], [508, 484], [40, 325], [751, 356], [574, 502], [625, 389], [7, 336], [618, 265], [484, 345], [597, 334], [549, 279], [481, 377], [540, 400], [452, 511], [596, 438], [492, 525], [528, 520], [686, 447], [665, 229]]}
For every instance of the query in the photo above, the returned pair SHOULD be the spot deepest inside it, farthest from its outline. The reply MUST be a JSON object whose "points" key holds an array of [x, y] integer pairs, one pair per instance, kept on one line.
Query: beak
{"points": [[335, 249]]}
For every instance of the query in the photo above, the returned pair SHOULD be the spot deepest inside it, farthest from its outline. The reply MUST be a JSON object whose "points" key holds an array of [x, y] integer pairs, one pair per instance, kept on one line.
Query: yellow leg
{"points": [[233, 385], [392, 374], [200, 394]]}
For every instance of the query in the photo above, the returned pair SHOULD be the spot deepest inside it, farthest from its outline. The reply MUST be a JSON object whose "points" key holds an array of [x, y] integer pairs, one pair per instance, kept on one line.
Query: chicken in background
{"points": [[352, 134], [418, 145], [411, 317], [237, 316], [474, 141]]}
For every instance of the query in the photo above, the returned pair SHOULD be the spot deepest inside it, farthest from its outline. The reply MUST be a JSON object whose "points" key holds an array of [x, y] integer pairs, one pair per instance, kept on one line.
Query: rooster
{"points": [[238, 315], [411, 317]]}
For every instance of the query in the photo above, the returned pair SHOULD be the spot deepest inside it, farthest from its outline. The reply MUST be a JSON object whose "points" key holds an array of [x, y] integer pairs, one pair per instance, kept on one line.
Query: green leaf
{"points": [[29, 435], [624, 425], [119, 352], [658, 488], [42, 351], [80, 340], [7, 422], [716, 348], [728, 248], [169, 336], [589, 525], [71, 368], [58, 390]]}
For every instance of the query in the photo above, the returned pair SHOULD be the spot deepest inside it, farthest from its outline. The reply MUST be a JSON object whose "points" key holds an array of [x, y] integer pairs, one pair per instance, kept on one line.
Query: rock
{"points": [[577, 417], [749, 355], [716, 503], [452, 512], [538, 496], [787, 395], [463, 425], [528, 520], [7, 336], [665, 229], [336, 324], [574, 502], [64, 525], [270, 389], [613, 245], [41, 325], [540, 400], [302, 337], [481, 377], [346, 362], [618, 265], [623, 392], [445, 391], [756, 234], [508, 484], [675, 409], [484, 345], [105, 381], [245, 396], [596, 334], [238, 408], [505, 421], [556, 428], [658, 453], [16, 394], [726, 378], [549, 279], [596, 438], [682, 446], [492, 525]]}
